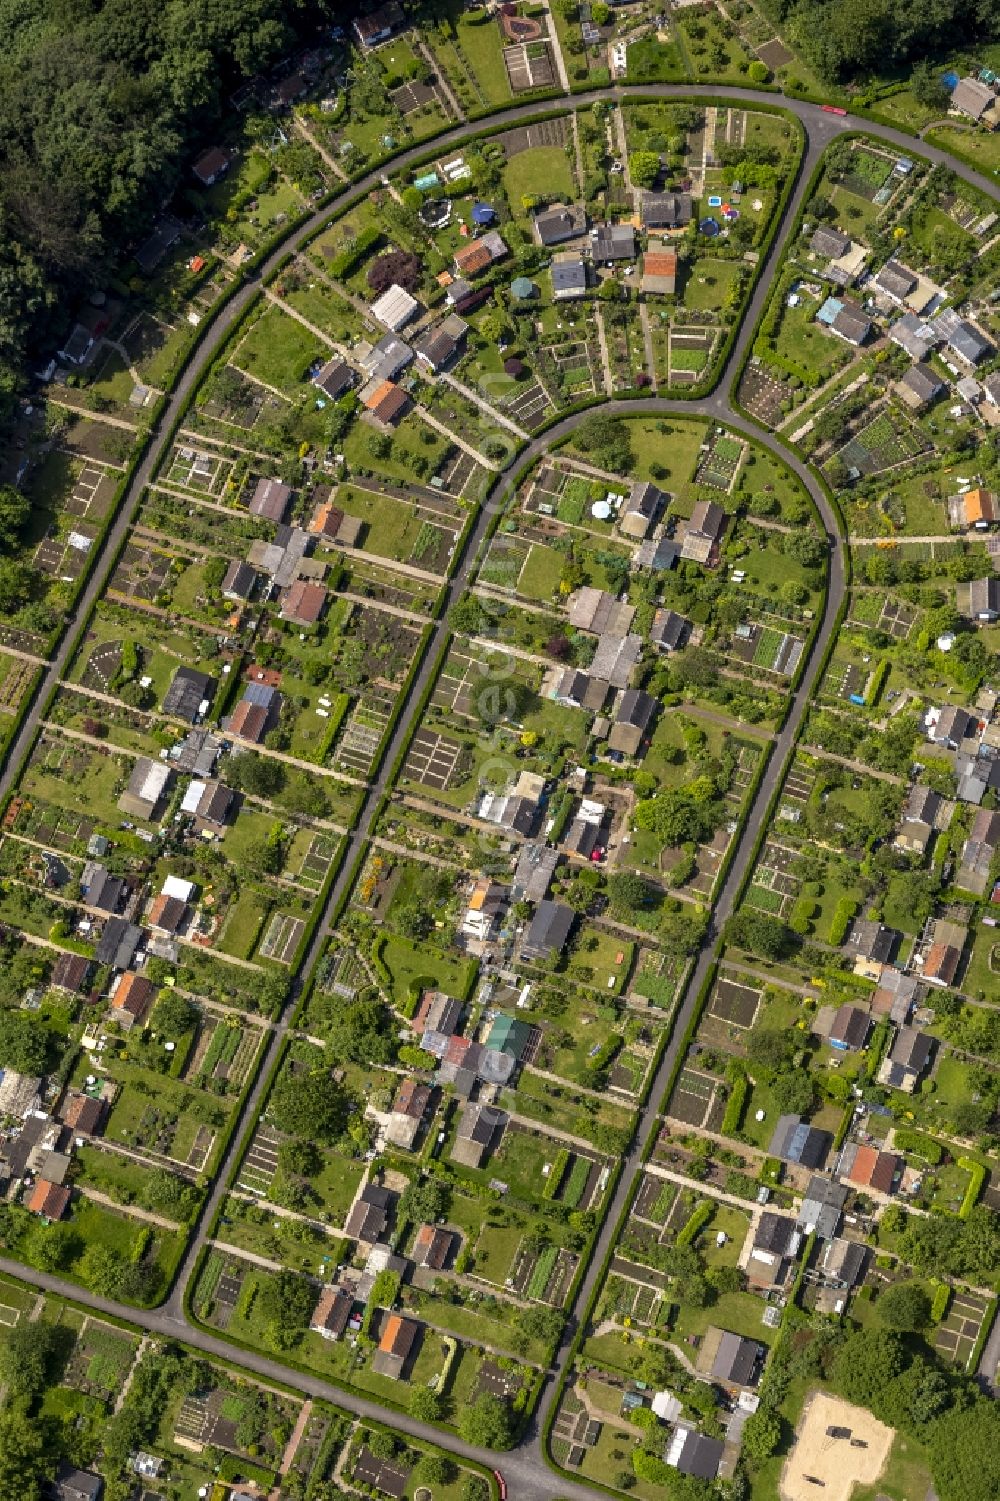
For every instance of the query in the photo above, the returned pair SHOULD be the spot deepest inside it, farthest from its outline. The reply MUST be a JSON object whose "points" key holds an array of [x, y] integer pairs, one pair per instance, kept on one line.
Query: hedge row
{"points": [[939, 1305], [877, 682], [922, 1146], [734, 1105], [698, 1220], [842, 915], [977, 1177], [557, 1173], [352, 255]]}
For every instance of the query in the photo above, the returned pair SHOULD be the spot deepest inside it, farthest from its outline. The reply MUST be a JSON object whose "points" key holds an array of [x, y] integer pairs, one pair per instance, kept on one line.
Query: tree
{"points": [[263, 857], [793, 1093], [425, 1199], [475, 1488], [542, 1323], [644, 168], [383, 1443], [14, 512], [760, 933], [53, 1248], [807, 547], [607, 440], [261, 776], [677, 816], [496, 701], [26, 1453], [399, 268], [102, 1269], [310, 1104], [486, 1422], [434, 1470], [285, 1301], [26, 1357], [769, 1047], [16, 581], [964, 1446], [917, 1396], [413, 920], [425, 1404], [362, 1031], [866, 1363], [628, 893], [761, 1434], [173, 1014], [927, 87], [24, 1043]]}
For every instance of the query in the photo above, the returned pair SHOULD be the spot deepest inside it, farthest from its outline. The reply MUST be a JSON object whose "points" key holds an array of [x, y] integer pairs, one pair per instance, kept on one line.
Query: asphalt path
{"points": [[525, 1469]]}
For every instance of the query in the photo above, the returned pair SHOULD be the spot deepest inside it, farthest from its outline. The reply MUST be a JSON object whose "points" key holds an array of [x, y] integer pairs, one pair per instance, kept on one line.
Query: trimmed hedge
{"points": [[352, 255], [939, 1305], [734, 1105], [607, 1050], [877, 683], [557, 1173], [698, 1220], [845, 909], [977, 1177], [922, 1146]]}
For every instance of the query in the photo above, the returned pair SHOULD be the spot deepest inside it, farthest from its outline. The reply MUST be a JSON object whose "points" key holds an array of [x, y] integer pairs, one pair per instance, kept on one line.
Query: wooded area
{"points": [[849, 40], [102, 106]]}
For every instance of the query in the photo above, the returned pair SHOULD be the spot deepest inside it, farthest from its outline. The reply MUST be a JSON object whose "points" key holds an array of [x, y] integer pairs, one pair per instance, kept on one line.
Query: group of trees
{"points": [[851, 40], [25, 1043], [903, 1384], [607, 441], [102, 109], [310, 1104]]}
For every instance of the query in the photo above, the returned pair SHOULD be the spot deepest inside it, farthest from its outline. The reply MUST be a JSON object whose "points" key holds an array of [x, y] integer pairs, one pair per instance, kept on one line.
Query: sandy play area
{"points": [[824, 1468]]}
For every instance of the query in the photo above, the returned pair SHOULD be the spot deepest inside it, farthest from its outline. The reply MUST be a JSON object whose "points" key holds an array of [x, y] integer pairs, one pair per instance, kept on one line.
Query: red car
{"points": [[501, 1485], [833, 109]]}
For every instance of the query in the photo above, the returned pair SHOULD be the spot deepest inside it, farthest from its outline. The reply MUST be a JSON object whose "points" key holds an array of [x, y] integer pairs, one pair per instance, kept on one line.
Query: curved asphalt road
{"points": [[524, 1468]]}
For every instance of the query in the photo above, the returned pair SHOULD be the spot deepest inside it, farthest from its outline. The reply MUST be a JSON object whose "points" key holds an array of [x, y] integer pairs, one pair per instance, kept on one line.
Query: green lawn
{"points": [[653, 61], [740, 1312], [482, 46], [278, 350], [817, 353], [707, 283], [539, 578], [671, 443], [541, 172], [409, 962], [980, 148], [713, 55]]}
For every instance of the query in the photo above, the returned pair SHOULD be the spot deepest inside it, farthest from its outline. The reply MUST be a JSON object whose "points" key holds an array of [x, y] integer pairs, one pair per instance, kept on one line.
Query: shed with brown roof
{"points": [[395, 1347], [304, 602], [50, 1200], [270, 499]]}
